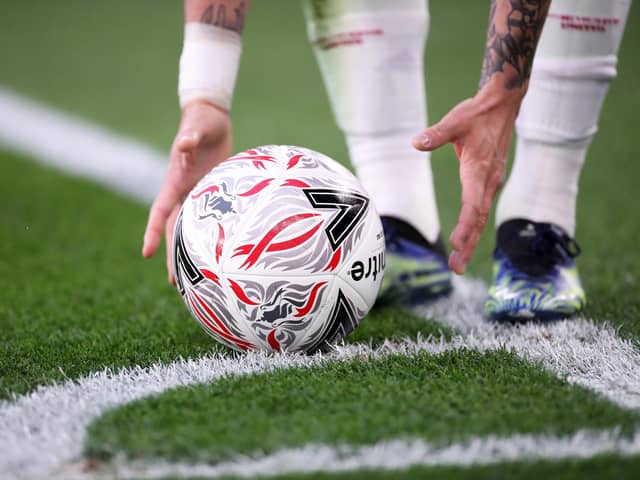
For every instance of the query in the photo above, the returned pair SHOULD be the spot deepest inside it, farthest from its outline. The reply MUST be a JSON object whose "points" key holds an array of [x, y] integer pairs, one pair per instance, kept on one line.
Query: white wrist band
{"points": [[209, 64]]}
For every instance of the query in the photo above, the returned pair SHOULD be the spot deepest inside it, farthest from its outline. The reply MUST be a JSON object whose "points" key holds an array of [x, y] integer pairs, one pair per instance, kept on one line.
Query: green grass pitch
{"points": [[76, 297]]}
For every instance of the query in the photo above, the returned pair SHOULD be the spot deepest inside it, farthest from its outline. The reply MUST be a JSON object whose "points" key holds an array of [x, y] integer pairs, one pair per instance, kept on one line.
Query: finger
{"points": [[455, 263], [472, 219], [445, 131], [471, 224], [187, 141], [169, 228], [480, 183], [186, 145], [162, 207], [472, 213], [459, 259], [468, 240], [435, 137]]}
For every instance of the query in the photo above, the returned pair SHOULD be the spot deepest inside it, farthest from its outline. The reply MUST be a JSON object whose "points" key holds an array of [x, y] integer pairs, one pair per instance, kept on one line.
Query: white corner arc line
{"points": [[578, 350], [40, 433], [390, 455]]}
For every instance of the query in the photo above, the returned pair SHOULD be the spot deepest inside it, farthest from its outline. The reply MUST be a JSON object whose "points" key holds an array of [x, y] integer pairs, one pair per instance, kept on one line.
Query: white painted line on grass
{"points": [[41, 432], [391, 455], [79, 147], [579, 350], [44, 430]]}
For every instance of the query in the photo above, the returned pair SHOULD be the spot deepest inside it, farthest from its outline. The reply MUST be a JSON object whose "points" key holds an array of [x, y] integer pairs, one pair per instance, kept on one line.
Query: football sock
{"points": [[398, 178], [575, 61], [370, 53], [395, 226]]}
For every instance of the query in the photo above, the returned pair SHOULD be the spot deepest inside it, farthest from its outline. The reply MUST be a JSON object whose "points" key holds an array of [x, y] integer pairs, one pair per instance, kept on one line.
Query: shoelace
{"points": [[549, 241], [549, 247]]}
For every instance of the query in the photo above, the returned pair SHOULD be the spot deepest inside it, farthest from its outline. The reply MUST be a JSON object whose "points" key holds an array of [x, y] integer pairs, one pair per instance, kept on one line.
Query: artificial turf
{"points": [[76, 297], [123, 74], [601, 467], [442, 398]]}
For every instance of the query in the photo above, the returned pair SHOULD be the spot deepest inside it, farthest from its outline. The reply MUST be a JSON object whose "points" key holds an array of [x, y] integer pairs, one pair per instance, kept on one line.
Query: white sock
{"points": [[543, 185], [398, 178], [370, 53], [575, 61]]}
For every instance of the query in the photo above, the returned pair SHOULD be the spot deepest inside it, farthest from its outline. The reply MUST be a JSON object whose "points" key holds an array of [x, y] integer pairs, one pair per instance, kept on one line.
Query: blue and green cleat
{"points": [[535, 276], [416, 270]]}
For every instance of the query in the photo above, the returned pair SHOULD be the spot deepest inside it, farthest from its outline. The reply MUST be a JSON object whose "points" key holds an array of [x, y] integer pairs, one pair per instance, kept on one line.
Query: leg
{"points": [[370, 53], [574, 64]]}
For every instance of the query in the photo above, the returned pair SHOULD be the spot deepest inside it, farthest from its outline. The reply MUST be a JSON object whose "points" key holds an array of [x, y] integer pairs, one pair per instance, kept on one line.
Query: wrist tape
{"points": [[208, 64]]}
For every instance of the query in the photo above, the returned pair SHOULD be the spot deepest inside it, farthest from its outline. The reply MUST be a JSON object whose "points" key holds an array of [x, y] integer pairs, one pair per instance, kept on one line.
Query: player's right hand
{"points": [[203, 140]]}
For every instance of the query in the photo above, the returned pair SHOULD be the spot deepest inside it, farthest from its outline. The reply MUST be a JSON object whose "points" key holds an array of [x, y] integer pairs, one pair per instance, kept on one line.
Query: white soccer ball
{"points": [[278, 248]]}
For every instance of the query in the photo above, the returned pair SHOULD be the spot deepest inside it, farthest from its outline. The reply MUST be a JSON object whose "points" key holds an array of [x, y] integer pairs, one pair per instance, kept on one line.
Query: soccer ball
{"points": [[278, 248]]}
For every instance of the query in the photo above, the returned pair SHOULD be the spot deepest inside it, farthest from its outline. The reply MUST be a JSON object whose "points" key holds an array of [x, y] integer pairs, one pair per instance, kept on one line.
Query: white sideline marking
{"points": [[43, 431], [79, 147]]}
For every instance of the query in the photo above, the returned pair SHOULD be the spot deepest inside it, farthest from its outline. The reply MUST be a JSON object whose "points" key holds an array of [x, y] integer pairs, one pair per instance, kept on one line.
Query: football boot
{"points": [[416, 270], [534, 273]]}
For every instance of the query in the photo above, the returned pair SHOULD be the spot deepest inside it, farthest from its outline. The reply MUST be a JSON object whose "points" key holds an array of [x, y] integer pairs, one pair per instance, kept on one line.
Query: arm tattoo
{"points": [[512, 40], [218, 16]]}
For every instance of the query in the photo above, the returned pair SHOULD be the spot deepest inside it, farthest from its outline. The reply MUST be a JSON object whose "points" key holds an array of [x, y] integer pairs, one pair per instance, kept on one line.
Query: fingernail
{"points": [[187, 137], [456, 264], [421, 141], [452, 260]]}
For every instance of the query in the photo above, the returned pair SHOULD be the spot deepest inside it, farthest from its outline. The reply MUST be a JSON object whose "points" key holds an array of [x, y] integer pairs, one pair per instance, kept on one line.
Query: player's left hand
{"points": [[480, 130], [203, 140]]}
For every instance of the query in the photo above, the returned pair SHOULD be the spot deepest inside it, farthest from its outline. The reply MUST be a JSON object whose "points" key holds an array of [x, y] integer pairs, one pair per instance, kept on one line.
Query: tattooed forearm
{"points": [[221, 14], [512, 37]]}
